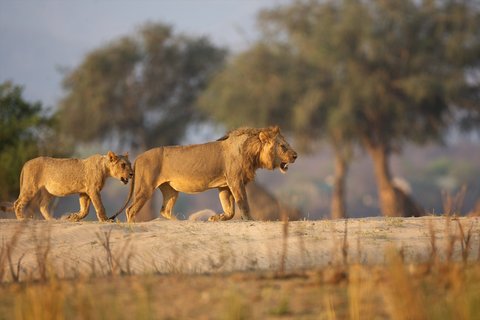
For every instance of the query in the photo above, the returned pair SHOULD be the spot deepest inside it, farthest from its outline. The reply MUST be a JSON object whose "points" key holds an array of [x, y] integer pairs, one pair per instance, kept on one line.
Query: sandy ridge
{"points": [[199, 247]]}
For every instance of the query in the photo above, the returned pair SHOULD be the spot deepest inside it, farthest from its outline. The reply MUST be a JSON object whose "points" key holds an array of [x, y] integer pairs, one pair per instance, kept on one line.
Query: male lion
{"points": [[227, 164], [45, 177]]}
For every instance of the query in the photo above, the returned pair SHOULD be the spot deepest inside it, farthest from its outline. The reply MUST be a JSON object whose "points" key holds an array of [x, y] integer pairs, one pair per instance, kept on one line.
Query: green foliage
{"points": [[139, 90], [391, 68], [379, 72], [373, 73], [255, 89], [22, 127]]}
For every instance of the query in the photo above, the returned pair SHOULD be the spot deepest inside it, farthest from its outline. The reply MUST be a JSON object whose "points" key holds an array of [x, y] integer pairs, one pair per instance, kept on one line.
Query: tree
{"points": [[25, 132], [378, 74], [252, 90], [397, 68], [139, 91]]}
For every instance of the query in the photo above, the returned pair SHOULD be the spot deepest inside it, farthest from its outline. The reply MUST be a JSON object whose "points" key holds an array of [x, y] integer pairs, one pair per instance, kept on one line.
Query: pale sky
{"points": [[39, 37]]}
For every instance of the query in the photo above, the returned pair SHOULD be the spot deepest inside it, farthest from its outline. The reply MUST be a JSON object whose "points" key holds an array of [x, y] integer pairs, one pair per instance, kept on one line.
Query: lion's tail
{"points": [[7, 207], [129, 197]]}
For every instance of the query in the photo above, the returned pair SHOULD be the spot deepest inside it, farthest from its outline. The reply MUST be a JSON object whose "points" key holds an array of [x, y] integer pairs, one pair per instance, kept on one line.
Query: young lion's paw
{"points": [[72, 217], [215, 218]]}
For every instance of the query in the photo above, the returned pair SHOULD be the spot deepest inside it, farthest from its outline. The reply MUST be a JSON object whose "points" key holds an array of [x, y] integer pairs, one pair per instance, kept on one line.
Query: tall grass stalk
{"points": [[403, 298], [44, 301], [6, 252], [283, 257]]}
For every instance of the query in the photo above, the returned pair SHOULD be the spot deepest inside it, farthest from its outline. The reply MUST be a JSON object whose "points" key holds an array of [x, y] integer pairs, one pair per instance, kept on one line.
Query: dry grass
{"points": [[438, 287], [283, 257], [6, 250], [117, 263], [452, 204]]}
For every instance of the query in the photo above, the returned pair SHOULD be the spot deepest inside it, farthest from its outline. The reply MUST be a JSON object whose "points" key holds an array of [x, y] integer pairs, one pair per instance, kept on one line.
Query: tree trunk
{"points": [[338, 210], [394, 202]]}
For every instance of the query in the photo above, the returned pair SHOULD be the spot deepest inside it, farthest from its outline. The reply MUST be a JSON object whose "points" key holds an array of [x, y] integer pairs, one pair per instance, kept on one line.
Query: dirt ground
{"points": [[190, 247], [373, 268]]}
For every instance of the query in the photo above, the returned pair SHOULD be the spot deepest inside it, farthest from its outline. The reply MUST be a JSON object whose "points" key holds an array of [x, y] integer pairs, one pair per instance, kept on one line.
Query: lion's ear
{"points": [[276, 130], [263, 137], [126, 155], [111, 156]]}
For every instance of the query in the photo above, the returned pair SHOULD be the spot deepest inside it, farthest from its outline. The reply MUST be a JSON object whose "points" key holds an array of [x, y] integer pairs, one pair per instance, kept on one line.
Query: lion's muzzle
{"points": [[125, 180], [284, 165]]}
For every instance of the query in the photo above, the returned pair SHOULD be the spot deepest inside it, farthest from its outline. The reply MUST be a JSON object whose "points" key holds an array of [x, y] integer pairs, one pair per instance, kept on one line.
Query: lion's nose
{"points": [[131, 174], [294, 155]]}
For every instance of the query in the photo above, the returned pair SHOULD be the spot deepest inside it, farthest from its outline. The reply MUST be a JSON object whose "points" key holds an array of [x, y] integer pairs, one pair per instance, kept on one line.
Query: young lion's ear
{"points": [[111, 156], [126, 155], [263, 137]]}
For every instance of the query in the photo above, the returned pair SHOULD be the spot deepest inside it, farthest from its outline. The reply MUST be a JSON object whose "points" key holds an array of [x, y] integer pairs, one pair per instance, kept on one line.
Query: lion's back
{"points": [[189, 169], [37, 169], [206, 158], [53, 172]]}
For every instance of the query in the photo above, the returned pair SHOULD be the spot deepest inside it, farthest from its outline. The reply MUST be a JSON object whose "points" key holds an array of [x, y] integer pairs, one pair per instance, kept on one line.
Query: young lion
{"points": [[227, 164], [45, 177]]}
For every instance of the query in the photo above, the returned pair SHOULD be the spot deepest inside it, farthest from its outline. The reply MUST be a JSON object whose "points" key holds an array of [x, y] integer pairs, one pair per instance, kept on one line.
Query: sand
{"points": [[159, 246]]}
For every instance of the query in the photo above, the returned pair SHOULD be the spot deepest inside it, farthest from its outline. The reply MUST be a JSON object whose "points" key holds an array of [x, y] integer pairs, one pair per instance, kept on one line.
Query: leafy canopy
{"points": [[393, 70], [24, 134], [139, 90], [373, 72]]}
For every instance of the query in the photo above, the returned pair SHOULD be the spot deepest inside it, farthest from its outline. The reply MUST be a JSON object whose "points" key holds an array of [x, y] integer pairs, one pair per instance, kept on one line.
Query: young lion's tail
{"points": [[128, 199], [14, 207], [6, 207]]}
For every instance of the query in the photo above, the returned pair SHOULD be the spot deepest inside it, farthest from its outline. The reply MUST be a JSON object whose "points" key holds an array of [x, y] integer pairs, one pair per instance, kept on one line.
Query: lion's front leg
{"points": [[84, 206], [97, 203], [240, 196]]}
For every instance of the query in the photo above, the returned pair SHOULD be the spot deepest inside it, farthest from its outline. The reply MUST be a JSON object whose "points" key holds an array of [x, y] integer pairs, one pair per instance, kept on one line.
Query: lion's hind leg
{"points": [[170, 196], [228, 204], [141, 196], [44, 202], [24, 199]]}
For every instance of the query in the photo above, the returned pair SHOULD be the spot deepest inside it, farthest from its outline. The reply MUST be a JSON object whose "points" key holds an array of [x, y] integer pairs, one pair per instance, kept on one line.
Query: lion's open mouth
{"points": [[124, 180], [283, 167]]}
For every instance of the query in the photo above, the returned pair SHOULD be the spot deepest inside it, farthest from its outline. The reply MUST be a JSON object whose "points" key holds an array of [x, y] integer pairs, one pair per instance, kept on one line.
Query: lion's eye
{"points": [[123, 165], [284, 148]]}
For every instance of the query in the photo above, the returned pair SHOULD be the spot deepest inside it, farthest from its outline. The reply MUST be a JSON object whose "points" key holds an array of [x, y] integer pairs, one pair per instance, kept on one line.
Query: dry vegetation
{"points": [[441, 283]]}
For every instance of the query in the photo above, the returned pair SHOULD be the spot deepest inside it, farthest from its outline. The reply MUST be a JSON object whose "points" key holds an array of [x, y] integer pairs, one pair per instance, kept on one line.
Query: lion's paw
{"points": [[72, 217], [217, 217]]}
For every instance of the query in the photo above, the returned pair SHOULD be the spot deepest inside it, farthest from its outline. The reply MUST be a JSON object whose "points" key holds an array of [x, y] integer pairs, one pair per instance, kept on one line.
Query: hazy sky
{"points": [[38, 37]]}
